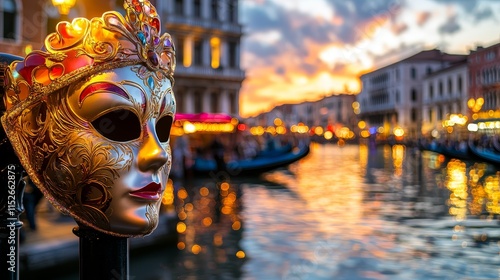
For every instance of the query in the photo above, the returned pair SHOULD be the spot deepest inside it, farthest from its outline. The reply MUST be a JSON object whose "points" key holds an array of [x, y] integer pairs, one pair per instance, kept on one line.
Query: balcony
{"points": [[204, 23], [208, 72]]}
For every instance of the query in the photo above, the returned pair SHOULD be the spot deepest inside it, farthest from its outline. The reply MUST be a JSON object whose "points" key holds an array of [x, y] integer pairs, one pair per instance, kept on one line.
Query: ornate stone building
{"points": [[484, 69], [207, 36]]}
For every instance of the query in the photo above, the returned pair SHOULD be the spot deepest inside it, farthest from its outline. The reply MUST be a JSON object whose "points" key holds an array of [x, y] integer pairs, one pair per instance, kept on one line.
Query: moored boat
{"points": [[486, 154], [461, 151], [253, 166], [206, 143]]}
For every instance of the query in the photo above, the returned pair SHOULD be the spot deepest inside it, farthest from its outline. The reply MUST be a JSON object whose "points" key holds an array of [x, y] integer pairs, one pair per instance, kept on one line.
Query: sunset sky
{"points": [[296, 50]]}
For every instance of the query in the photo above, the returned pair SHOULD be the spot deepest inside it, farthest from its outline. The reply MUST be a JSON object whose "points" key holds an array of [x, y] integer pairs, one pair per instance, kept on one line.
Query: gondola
{"points": [[496, 143], [463, 153], [488, 155], [249, 167], [273, 152]]}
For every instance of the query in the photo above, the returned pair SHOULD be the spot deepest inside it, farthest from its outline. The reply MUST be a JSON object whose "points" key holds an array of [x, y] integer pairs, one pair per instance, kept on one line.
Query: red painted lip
{"points": [[150, 192]]}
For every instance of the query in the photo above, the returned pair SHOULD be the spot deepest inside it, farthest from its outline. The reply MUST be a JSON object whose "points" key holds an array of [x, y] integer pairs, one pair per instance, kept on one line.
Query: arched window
{"points": [[413, 95], [8, 14]]}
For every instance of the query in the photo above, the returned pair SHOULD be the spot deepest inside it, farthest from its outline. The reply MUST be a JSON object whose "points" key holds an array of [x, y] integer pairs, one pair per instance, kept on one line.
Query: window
{"points": [[413, 73], [413, 115], [232, 12], [179, 100], [198, 102], [197, 8], [490, 56], [198, 53], [413, 95], [233, 106], [179, 49], [460, 86], [430, 115], [179, 7], [440, 88], [431, 91], [397, 96], [8, 13], [429, 70], [215, 52], [233, 54], [214, 102], [215, 10], [450, 86]]}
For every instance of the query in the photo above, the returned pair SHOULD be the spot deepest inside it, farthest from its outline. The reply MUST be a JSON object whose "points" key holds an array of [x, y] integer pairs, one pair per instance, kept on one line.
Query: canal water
{"points": [[350, 212]]}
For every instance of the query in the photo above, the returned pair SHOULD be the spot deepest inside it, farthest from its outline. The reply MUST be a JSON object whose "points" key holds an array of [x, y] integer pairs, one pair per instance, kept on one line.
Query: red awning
{"points": [[204, 117]]}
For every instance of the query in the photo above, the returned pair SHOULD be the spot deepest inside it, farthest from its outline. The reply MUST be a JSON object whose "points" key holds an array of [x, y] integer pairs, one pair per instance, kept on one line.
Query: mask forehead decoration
{"points": [[89, 117]]}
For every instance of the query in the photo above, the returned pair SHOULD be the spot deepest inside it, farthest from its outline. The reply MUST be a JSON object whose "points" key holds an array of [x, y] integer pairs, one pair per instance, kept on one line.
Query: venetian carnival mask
{"points": [[89, 117]]}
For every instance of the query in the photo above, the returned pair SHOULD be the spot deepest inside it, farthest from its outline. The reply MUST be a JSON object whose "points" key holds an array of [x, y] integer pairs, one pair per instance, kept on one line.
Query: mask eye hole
{"points": [[163, 127], [119, 125]]}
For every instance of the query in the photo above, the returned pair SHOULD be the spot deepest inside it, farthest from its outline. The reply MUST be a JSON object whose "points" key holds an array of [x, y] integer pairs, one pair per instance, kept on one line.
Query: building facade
{"points": [[391, 97], [207, 37], [484, 71], [445, 94]]}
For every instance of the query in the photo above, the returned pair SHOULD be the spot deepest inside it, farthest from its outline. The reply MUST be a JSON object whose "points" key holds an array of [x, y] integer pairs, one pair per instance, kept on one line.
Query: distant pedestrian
{"points": [[31, 198], [218, 151]]}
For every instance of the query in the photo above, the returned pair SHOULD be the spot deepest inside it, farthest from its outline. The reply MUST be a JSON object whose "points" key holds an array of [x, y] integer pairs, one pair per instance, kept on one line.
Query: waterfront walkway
{"points": [[54, 243]]}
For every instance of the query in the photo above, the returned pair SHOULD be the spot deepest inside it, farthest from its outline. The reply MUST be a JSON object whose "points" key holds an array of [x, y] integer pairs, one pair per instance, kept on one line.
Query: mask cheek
{"points": [[81, 175]]}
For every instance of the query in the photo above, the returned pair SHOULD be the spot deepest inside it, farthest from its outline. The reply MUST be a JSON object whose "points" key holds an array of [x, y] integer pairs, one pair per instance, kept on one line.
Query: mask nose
{"points": [[151, 156]]}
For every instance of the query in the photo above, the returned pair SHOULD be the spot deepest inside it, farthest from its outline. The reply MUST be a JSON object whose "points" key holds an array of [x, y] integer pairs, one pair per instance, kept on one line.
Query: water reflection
{"points": [[210, 229], [351, 212], [384, 213]]}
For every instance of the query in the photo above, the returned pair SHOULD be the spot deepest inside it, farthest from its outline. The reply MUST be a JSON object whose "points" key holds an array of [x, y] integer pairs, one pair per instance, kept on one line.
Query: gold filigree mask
{"points": [[90, 115]]}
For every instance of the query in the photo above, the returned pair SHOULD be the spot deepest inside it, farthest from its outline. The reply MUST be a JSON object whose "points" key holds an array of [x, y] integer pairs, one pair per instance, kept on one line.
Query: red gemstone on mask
{"points": [[155, 22]]}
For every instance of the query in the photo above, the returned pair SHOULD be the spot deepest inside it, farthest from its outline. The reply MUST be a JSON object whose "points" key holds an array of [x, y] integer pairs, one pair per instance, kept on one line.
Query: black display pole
{"points": [[11, 192], [102, 256]]}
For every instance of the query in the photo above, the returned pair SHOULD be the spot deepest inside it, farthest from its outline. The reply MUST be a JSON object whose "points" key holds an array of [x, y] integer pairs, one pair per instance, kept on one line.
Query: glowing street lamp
{"points": [[63, 6]]}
